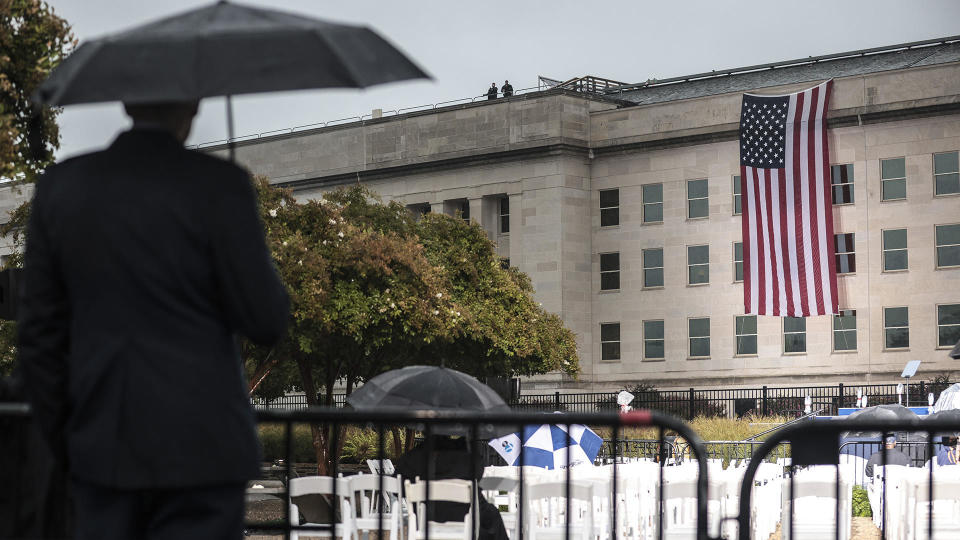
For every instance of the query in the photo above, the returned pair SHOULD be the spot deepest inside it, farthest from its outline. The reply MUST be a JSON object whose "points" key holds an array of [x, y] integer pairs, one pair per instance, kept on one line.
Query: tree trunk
{"points": [[317, 430], [263, 369]]}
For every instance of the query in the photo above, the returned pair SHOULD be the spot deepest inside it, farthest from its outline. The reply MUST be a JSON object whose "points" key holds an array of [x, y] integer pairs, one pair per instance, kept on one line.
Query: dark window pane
{"points": [[948, 314], [845, 340], [737, 205], [896, 316], [504, 205], [610, 281], [699, 274], [696, 189], [736, 185], [700, 347], [893, 168], [843, 194], [652, 258], [747, 324], [895, 260], [609, 261], [846, 264], [841, 174], [794, 324], [747, 345], [698, 208], [895, 239], [847, 320], [609, 197], [946, 163], [653, 349], [795, 343], [504, 224], [948, 234], [897, 338], [844, 242], [610, 332], [698, 254], [652, 213], [738, 251], [948, 256], [653, 329], [609, 217], [653, 277], [609, 351], [948, 183], [894, 189], [948, 336], [653, 193], [738, 271], [699, 327]]}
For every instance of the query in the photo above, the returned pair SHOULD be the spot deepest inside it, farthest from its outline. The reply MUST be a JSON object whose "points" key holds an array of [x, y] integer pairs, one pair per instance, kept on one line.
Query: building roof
{"points": [[907, 55]]}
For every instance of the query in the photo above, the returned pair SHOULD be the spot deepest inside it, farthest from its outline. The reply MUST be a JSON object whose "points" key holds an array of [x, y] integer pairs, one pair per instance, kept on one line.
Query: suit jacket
{"points": [[142, 262]]}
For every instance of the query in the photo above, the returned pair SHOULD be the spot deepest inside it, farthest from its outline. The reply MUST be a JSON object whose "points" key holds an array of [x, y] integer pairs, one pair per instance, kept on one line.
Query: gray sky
{"points": [[468, 45]]}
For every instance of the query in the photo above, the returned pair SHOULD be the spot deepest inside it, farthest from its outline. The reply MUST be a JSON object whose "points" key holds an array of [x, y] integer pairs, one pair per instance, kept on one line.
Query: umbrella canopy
{"points": [[949, 414], [427, 388], [949, 399], [224, 49], [881, 413], [550, 446]]}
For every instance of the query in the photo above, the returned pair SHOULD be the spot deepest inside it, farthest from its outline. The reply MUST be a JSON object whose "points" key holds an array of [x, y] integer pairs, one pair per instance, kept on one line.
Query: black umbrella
{"points": [[881, 412], [224, 49], [955, 352]]}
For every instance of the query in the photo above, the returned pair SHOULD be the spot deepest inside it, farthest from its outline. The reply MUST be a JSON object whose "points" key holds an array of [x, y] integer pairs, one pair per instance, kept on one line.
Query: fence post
{"points": [[763, 402], [839, 399], [691, 404], [923, 392], [556, 400]]}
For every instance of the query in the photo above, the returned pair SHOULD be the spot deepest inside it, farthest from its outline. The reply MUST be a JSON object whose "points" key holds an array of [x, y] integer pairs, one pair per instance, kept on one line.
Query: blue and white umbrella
{"points": [[548, 446]]}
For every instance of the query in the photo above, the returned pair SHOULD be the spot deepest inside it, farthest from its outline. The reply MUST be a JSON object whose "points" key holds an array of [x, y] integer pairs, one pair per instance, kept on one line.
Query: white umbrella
{"points": [[949, 399]]}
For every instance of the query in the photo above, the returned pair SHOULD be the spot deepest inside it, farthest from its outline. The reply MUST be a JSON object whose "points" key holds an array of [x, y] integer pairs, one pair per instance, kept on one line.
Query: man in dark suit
{"points": [[143, 261]]}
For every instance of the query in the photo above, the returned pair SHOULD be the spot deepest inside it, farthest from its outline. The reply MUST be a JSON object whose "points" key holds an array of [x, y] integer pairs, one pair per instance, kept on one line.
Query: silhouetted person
{"points": [[492, 91], [506, 89], [894, 456], [143, 261]]}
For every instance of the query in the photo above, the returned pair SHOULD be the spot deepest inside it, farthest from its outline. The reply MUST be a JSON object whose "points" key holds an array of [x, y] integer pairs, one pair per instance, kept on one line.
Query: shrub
{"points": [[861, 503]]}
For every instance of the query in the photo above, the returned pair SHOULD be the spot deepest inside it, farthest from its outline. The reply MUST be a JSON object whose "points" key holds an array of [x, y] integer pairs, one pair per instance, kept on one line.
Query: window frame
{"points": [[885, 328], [884, 250], [501, 229], [933, 167], [615, 209], [705, 198], [784, 333], [663, 340], [833, 333], [936, 316], [691, 338], [851, 183], [602, 271], [707, 264], [884, 180], [643, 264], [936, 247], [838, 254], [619, 342], [737, 196], [736, 262], [737, 336], [644, 203]]}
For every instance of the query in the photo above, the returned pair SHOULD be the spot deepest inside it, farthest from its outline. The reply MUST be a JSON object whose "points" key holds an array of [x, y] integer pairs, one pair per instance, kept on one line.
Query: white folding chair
{"points": [[375, 508], [313, 497], [456, 491], [548, 511], [945, 508]]}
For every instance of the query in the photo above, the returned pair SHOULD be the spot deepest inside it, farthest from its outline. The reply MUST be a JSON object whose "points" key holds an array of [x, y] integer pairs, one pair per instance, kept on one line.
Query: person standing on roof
{"points": [[506, 89], [492, 91]]}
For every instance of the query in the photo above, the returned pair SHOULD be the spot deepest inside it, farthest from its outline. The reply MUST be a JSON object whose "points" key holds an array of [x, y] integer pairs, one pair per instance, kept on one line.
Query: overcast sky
{"points": [[468, 45]]}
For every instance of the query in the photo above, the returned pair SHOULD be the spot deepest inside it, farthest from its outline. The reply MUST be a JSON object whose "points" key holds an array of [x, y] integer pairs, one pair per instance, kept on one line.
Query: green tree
{"points": [[33, 40], [374, 289]]}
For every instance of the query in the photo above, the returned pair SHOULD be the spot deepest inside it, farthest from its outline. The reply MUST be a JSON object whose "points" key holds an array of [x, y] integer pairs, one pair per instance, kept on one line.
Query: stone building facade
{"points": [[622, 208]]}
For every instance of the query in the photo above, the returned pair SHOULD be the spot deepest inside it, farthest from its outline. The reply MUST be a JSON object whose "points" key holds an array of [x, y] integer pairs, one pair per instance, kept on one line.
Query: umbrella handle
{"points": [[231, 145]]}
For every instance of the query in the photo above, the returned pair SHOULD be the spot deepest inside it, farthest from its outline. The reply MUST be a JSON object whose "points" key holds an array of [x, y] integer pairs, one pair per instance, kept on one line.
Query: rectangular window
{"points": [[653, 343], [896, 328], [609, 271], [609, 207], [419, 210], [653, 267], [893, 179], [464, 208], [845, 330], [737, 261], [894, 250], [746, 334], [698, 203], [841, 179], [698, 265], [948, 246], [653, 203], [737, 199], [794, 335], [946, 173], [699, 332], [504, 210], [948, 325], [846, 258], [609, 341]]}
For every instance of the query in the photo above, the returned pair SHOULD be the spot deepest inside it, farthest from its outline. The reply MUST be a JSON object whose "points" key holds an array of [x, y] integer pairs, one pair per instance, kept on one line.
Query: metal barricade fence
{"points": [[819, 443]]}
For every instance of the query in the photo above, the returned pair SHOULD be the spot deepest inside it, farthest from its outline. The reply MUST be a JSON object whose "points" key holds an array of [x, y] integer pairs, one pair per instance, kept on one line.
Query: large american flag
{"points": [[788, 251]]}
